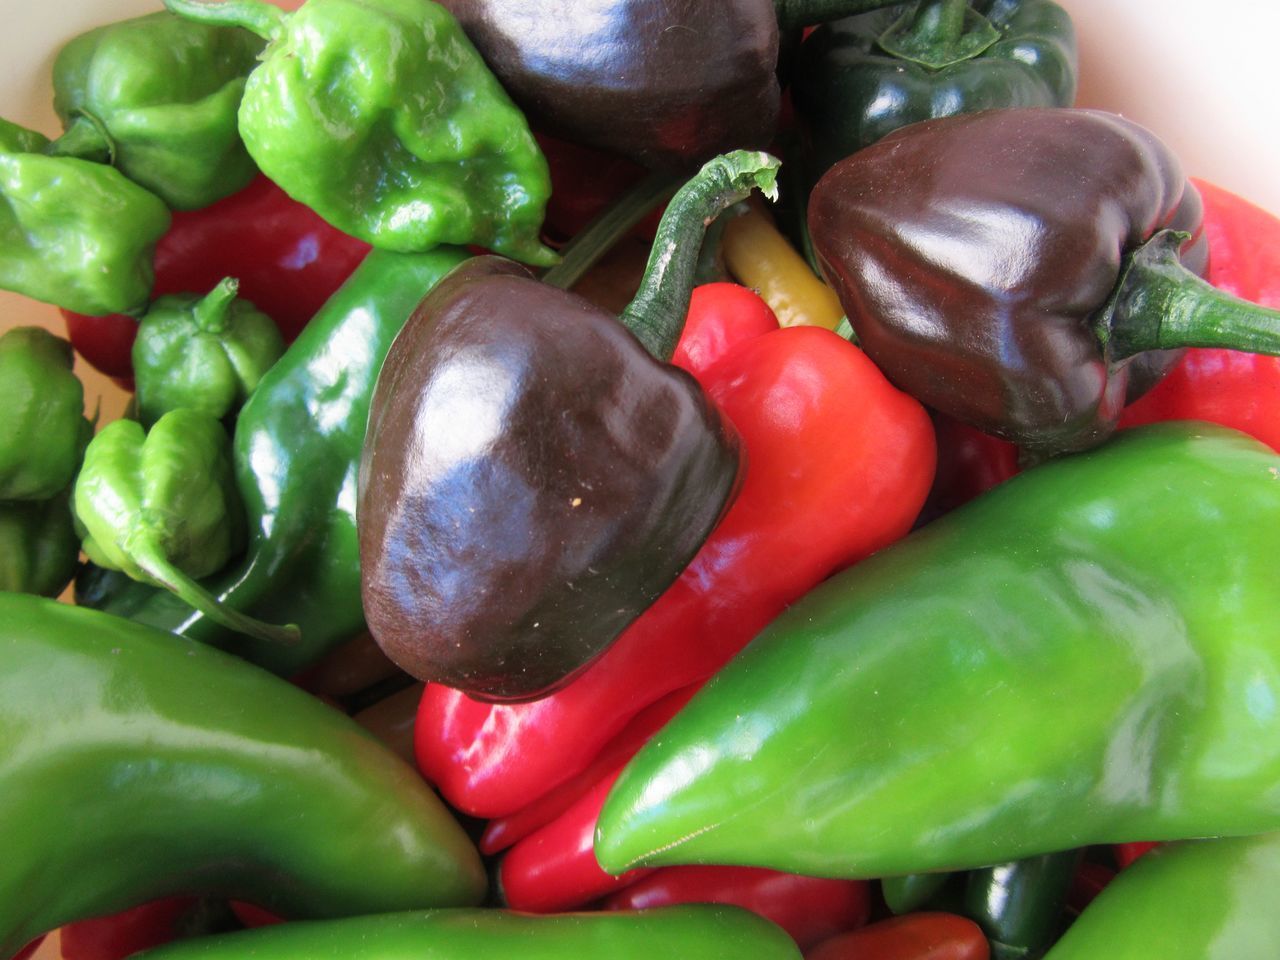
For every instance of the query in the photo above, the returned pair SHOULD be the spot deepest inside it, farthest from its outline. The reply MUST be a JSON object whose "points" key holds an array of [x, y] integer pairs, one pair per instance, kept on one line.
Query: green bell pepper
{"points": [[162, 506], [39, 549], [74, 233], [208, 353], [138, 765], [381, 117], [1200, 900], [1083, 655], [156, 97], [44, 431]]}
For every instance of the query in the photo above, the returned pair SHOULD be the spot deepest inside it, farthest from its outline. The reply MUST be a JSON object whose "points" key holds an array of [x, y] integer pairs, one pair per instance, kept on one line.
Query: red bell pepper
{"points": [[26, 952], [970, 462], [149, 925], [839, 464], [916, 936], [1240, 390], [287, 259], [1127, 853]]}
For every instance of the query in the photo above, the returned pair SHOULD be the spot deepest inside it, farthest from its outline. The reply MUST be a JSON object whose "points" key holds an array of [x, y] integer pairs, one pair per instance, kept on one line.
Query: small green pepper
{"points": [[39, 549], [162, 506], [207, 353], [44, 431], [156, 96], [74, 233], [381, 117]]}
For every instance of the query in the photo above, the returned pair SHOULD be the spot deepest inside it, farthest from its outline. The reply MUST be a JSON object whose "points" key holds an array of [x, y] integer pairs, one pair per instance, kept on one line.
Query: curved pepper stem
{"points": [[84, 139], [795, 14], [214, 312], [264, 19], [656, 315], [939, 33], [1161, 305]]}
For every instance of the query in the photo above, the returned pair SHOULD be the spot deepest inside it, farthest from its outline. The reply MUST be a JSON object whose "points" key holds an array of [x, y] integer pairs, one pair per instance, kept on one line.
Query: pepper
{"points": [[1021, 906], [920, 936], [691, 932], [1205, 898], [212, 776], [287, 265], [404, 173], [45, 430], [859, 79], [39, 549], [202, 352], [297, 447], [161, 505], [599, 468], [1025, 270], [156, 97], [121, 935], [1111, 609], [822, 491], [73, 233]]}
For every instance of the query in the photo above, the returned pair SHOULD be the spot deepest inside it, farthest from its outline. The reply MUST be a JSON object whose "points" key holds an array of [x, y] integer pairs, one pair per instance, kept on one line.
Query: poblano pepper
{"points": [[297, 449], [39, 548], [43, 431], [74, 233], [156, 97], [139, 765], [416, 144], [208, 353], [1083, 654], [162, 506]]}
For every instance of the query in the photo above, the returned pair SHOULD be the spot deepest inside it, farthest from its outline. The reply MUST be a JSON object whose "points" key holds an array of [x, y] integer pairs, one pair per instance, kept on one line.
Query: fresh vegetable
{"points": [[121, 935], [39, 548], [598, 467], [139, 765], [404, 173], [1072, 658], [156, 97], [202, 352], [297, 447], [73, 233], [920, 936], [1021, 905]]}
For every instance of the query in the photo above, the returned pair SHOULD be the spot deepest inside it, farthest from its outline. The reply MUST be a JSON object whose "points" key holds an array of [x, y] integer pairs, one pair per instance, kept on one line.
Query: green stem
{"points": [[151, 559], [939, 33], [656, 315], [602, 233], [795, 14], [213, 312], [1161, 305], [84, 139], [256, 16]]}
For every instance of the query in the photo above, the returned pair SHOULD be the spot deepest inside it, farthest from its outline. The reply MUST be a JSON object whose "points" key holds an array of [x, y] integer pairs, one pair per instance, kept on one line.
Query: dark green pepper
{"points": [[208, 353], [327, 116], [162, 506], [1021, 906], [74, 233], [297, 451], [1084, 654], [156, 97], [139, 765], [44, 429], [39, 548]]}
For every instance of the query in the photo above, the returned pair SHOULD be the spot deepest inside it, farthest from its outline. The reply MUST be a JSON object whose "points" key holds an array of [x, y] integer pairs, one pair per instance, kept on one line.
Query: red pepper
{"points": [[839, 463], [584, 183], [149, 925], [1240, 390], [26, 952], [1089, 881], [1127, 853], [810, 909], [970, 462], [287, 259], [916, 936]]}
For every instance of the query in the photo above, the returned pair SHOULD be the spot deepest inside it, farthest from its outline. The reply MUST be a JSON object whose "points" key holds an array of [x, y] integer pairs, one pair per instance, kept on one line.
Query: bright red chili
{"points": [[915, 936]]}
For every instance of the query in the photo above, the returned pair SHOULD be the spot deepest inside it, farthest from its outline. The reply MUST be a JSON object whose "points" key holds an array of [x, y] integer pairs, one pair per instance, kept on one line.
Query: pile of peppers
{"points": [[767, 479]]}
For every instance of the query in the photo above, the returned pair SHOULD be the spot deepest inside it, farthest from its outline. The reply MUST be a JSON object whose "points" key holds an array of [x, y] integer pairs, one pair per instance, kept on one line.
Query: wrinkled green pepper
{"points": [[39, 549], [162, 506], [74, 233], [44, 430], [326, 116], [156, 97], [1083, 655], [139, 765], [297, 451], [208, 353]]}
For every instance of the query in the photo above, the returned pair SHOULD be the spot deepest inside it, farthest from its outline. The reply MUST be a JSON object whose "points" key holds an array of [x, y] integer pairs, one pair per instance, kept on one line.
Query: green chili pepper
{"points": [[138, 765], [74, 233], [1083, 655], [162, 506], [1021, 906], [1185, 901], [156, 97], [44, 431], [39, 549], [327, 116], [691, 932], [297, 453], [920, 891], [208, 353]]}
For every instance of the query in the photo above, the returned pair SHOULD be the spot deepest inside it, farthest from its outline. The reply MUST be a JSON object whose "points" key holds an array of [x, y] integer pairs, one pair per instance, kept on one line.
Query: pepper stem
{"points": [[657, 314], [939, 33], [84, 139], [256, 16], [151, 559], [1161, 305], [213, 312], [795, 14]]}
